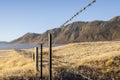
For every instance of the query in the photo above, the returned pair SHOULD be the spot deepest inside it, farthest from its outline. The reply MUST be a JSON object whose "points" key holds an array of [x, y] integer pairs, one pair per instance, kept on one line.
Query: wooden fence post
{"points": [[41, 46], [50, 55], [36, 59]]}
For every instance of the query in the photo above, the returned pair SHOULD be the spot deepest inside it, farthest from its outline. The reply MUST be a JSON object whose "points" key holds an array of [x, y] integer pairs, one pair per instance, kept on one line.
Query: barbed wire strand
{"points": [[76, 14]]}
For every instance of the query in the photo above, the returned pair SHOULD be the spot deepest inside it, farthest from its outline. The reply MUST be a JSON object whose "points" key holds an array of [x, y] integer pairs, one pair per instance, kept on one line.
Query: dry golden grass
{"points": [[14, 64], [103, 57], [82, 53]]}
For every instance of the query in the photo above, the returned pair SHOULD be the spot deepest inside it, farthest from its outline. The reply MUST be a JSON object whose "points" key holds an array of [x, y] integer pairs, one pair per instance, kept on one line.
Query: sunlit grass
{"points": [[15, 64], [103, 57]]}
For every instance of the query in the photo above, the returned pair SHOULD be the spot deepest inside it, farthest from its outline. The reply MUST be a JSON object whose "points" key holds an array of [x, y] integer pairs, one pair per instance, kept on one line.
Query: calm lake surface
{"points": [[5, 46]]}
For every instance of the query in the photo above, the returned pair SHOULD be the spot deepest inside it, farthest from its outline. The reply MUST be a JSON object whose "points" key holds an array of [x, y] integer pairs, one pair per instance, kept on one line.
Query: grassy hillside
{"points": [[94, 60]]}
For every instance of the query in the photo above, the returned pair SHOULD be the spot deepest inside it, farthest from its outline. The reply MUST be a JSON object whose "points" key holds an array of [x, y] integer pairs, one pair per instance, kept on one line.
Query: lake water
{"points": [[5, 46]]}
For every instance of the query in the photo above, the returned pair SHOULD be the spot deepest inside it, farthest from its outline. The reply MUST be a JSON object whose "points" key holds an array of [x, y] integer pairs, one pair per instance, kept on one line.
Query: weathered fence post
{"points": [[36, 59], [50, 55], [41, 51]]}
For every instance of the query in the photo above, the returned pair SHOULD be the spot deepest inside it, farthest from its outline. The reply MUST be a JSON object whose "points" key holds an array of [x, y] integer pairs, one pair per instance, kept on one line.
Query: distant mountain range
{"points": [[77, 32]]}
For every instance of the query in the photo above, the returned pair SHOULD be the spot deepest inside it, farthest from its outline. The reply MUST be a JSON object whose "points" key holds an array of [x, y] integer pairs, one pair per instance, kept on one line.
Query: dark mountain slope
{"points": [[78, 32]]}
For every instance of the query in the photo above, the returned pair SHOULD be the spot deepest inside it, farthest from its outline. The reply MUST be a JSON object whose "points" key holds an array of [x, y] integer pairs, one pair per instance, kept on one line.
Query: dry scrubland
{"points": [[95, 60]]}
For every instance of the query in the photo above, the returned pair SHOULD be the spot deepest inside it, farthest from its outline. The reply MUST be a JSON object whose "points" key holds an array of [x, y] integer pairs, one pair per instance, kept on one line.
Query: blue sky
{"points": [[18, 17]]}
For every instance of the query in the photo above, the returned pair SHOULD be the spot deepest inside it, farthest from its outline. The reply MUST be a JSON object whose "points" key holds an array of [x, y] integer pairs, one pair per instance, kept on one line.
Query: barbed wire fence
{"points": [[71, 18], [77, 13], [50, 45]]}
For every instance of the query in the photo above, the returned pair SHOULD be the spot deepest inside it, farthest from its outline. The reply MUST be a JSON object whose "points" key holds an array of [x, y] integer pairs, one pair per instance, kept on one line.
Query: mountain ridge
{"points": [[77, 32]]}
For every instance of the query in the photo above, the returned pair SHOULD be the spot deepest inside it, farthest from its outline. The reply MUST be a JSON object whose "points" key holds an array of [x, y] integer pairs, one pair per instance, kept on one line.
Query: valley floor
{"points": [[93, 60]]}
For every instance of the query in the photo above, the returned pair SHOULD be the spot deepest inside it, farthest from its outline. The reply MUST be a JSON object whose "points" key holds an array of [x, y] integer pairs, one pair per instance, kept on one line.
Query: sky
{"points": [[18, 17]]}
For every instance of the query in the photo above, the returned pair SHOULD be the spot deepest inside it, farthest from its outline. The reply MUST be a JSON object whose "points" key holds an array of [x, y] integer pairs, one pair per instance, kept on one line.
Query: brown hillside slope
{"points": [[78, 32]]}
